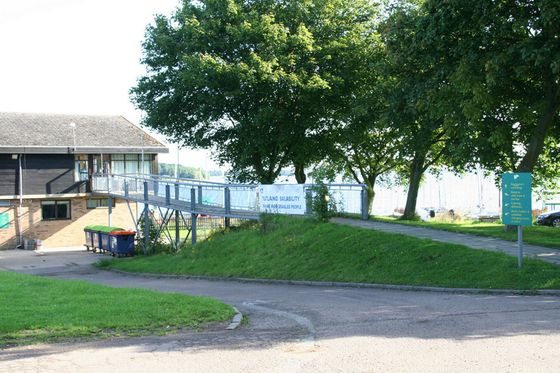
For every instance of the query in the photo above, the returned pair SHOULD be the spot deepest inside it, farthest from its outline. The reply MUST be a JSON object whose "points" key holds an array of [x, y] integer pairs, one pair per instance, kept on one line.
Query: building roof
{"points": [[52, 133]]}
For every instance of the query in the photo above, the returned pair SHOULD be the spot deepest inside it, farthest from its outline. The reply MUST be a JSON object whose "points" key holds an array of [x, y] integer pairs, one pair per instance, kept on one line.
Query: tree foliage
{"points": [[256, 81], [475, 83], [503, 59], [365, 143], [421, 102], [268, 84]]}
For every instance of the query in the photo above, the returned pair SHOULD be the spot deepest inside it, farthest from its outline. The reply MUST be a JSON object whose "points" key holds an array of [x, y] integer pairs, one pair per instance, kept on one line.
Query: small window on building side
{"points": [[55, 210], [4, 220], [93, 203]]}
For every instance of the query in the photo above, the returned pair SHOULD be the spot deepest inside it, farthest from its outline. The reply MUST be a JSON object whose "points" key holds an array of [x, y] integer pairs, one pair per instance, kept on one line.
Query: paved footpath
{"points": [[476, 242], [308, 329]]}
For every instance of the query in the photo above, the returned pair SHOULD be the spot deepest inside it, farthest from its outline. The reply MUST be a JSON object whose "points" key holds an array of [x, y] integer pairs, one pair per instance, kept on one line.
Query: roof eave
{"points": [[81, 149]]}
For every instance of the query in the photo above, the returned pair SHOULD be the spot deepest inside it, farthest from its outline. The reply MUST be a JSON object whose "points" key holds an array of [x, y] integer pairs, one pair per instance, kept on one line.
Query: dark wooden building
{"points": [[48, 160]]}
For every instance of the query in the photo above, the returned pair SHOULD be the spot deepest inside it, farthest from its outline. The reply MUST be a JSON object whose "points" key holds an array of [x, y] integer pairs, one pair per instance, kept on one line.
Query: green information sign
{"points": [[516, 199], [4, 220]]}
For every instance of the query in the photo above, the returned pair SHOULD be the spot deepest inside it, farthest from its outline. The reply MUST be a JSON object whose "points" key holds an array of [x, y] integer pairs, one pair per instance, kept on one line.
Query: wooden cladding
{"points": [[41, 173]]}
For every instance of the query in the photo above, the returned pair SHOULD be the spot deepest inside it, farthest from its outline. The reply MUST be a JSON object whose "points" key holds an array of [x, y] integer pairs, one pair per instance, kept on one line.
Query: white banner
{"points": [[282, 199]]}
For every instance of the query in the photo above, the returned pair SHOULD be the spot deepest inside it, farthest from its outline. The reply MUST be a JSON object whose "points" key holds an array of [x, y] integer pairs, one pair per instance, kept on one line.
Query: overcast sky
{"points": [[77, 56]]}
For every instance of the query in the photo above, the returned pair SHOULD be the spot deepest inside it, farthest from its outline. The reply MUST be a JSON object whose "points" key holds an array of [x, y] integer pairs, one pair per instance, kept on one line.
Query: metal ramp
{"points": [[175, 198], [187, 195]]}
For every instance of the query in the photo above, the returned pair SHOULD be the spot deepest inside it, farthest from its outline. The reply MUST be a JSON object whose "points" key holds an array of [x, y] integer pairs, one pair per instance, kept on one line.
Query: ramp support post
{"points": [[308, 202], [167, 195], [193, 216], [110, 210], [177, 231], [227, 206], [146, 219]]}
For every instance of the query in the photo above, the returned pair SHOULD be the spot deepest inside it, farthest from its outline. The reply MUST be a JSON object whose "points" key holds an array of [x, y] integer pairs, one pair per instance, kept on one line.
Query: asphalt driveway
{"points": [[546, 254], [302, 329]]}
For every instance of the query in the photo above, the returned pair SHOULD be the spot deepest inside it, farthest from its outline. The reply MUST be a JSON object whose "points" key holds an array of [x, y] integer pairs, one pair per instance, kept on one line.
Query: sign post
{"points": [[516, 208]]}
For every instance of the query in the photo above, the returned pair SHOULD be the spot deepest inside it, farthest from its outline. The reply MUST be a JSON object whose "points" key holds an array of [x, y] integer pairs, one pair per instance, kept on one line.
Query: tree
{"points": [[256, 81], [366, 143], [420, 102], [366, 151], [502, 57]]}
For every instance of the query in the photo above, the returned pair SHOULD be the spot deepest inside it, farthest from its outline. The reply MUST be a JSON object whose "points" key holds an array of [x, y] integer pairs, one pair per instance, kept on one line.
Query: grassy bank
{"points": [[35, 309], [536, 235], [302, 249]]}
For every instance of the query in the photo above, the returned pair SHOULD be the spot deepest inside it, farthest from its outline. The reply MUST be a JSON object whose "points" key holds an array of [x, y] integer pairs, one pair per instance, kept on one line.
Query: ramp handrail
{"points": [[208, 197]]}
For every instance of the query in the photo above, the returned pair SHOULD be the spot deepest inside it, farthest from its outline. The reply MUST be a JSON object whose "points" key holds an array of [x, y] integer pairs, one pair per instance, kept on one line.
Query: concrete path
{"points": [[309, 329], [476, 242]]}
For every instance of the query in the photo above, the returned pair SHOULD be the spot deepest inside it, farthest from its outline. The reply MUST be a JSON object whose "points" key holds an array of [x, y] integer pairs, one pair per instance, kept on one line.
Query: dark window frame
{"points": [[56, 202], [81, 173], [99, 205]]}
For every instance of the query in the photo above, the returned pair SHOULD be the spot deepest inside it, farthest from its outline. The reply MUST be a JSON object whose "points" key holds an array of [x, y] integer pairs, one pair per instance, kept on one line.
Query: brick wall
{"points": [[60, 233], [8, 237]]}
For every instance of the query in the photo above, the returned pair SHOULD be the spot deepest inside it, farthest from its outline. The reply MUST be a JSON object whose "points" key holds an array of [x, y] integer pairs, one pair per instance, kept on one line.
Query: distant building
{"points": [[46, 167]]}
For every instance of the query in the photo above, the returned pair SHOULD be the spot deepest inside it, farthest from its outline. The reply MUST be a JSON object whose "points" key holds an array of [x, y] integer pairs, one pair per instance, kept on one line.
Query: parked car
{"points": [[549, 218]]}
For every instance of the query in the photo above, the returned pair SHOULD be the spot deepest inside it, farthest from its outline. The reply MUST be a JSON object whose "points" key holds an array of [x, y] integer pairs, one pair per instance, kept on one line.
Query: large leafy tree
{"points": [[367, 149], [503, 59], [257, 81], [366, 143], [421, 102]]}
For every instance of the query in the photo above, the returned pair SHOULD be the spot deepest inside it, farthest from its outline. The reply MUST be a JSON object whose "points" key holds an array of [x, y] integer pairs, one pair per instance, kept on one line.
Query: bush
{"points": [[155, 245], [323, 204]]}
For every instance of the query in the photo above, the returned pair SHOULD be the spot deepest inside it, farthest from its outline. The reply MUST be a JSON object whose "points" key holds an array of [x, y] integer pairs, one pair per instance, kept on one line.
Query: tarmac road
{"points": [[302, 329]]}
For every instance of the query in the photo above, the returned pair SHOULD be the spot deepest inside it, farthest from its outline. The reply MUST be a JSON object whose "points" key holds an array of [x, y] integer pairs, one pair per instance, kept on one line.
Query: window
{"points": [[81, 171], [147, 164], [117, 164], [55, 210], [97, 164], [4, 220], [93, 203], [131, 164]]}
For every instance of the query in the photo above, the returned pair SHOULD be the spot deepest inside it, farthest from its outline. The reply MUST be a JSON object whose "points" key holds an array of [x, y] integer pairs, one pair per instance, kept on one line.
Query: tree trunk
{"points": [[370, 197], [370, 183], [415, 176], [300, 173], [535, 146]]}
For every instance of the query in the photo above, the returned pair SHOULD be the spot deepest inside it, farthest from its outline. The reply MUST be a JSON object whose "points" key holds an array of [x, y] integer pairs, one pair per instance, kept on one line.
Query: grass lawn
{"points": [[536, 235], [35, 309], [303, 249]]}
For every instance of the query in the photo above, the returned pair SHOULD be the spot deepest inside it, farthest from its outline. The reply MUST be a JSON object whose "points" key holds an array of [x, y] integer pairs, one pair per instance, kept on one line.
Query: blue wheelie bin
{"points": [[89, 238], [122, 243], [97, 237], [93, 238]]}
